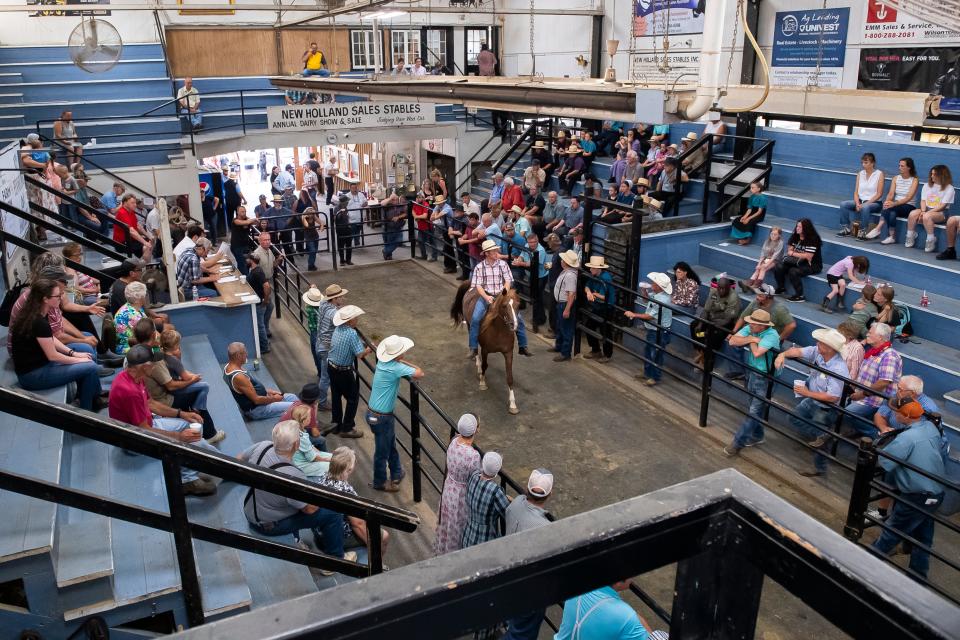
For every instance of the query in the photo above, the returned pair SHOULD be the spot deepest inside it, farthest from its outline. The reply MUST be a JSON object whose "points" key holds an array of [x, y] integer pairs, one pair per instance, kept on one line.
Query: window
{"points": [[406, 45], [361, 50], [436, 47], [475, 38]]}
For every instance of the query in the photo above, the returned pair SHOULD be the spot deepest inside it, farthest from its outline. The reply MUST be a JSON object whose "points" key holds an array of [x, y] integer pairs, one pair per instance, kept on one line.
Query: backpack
{"points": [[903, 328], [9, 300]]}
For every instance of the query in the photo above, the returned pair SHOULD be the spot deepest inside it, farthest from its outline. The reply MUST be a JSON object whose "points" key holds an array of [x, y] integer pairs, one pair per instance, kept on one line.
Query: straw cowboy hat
{"points": [[561, 134], [759, 316], [539, 145], [570, 257], [596, 262], [278, 198], [573, 150], [440, 199], [312, 296], [516, 209], [393, 347], [489, 245], [654, 203], [346, 313], [334, 291], [232, 175], [830, 337], [662, 280], [673, 146], [642, 182], [690, 136]]}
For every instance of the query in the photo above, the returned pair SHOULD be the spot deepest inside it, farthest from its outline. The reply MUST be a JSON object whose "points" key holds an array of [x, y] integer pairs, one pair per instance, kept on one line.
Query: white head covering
{"points": [[467, 425], [492, 462], [540, 483]]}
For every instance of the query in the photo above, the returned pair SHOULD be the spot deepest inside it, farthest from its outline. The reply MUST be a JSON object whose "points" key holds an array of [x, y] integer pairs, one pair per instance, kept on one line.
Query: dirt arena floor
{"points": [[604, 436]]}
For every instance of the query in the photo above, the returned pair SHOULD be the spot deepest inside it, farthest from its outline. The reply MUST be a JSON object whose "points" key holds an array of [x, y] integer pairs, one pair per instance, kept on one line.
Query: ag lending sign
{"points": [[352, 115]]}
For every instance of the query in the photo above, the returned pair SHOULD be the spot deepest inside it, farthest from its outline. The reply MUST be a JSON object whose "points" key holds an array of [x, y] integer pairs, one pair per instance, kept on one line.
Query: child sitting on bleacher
{"points": [[864, 309], [850, 267], [308, 458]]}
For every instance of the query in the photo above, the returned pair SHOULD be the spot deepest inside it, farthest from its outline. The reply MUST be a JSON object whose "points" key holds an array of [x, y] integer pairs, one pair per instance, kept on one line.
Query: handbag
{"points": [[792, 261]]}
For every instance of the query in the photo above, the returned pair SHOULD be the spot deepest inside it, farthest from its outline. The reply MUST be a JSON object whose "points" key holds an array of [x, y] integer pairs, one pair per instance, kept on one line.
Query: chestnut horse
{"points": [[497, 330]]}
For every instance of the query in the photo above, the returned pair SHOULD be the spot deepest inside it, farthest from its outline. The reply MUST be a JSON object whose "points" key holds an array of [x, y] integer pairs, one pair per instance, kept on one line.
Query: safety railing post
{"points": [[243, 114], [709, 360], [183, 542], [708, 164], [276, 292], [374, 546], [333, 241], [860, 492], [411, 231], [415, 443]]}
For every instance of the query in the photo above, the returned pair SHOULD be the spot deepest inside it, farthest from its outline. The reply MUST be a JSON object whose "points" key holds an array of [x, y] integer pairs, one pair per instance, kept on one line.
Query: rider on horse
{"points": [[490, 277]]}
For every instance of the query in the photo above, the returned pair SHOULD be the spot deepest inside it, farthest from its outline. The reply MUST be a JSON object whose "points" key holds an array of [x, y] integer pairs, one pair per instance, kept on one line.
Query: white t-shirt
{"points": [[152, 222], [418, 71], [330, 169], [935, 195], [867, 188], [712, 127]]}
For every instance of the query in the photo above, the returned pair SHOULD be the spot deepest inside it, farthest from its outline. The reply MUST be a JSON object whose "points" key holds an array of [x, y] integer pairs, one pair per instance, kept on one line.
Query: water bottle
{"points": [[194, 293], [869, 281], [256, 364], [924, 299]]}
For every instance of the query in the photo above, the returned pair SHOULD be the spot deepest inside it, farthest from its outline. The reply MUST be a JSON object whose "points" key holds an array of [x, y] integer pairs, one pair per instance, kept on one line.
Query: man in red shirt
{"points": [[130, 403], [136, 238], [512, 195]]}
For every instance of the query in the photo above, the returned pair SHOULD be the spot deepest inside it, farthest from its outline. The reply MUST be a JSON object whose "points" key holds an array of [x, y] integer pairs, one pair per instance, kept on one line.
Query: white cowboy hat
{"points": [[596, 262], [346, 313], [334, 291], [691, 136], [662, 280], [489, 245], [516, 209], [830, 337], [312, 296], [392, 347], [570, 257]]}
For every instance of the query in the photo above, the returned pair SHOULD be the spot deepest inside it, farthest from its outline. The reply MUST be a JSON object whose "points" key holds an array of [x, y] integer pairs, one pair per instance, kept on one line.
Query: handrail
{"points": [[530, 130], [159, 106], [77, 203], [66, 233], [435, 55], [745, 164], [32, 247], [469, 163]]}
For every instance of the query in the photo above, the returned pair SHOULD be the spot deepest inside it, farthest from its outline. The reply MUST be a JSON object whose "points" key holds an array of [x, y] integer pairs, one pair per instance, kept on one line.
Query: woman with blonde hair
{"points": [[313, 462]]}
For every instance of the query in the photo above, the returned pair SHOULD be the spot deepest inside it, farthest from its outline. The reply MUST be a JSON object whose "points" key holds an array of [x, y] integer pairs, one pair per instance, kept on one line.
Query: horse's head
{"points": [[506, 307]]}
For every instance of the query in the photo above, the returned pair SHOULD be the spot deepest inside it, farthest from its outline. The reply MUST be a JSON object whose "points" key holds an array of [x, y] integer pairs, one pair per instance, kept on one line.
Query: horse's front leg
{"points": [[508, 365], [482, 368]]}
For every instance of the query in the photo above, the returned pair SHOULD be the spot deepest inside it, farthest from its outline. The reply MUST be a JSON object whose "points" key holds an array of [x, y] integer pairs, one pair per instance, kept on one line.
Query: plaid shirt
{"points": [[486, 506], [188, 268], [325, 313], [885, 365], [492, 277], [345, 346]]}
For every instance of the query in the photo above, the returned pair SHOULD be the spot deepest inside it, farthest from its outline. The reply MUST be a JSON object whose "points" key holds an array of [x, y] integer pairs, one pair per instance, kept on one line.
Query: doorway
{"points": [[448, 169], [476, 36]]}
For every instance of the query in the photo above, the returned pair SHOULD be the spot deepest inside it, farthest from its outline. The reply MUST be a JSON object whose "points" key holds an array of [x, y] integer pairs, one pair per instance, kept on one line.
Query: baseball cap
{"points": [[908, 408], [540, 483], [139, 354]]}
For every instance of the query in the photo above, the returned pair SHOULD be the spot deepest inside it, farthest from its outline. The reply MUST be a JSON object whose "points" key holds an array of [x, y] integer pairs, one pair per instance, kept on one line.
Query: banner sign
{"points": [[924, 70], [68, 8], [808, 38], [351, 115], [884, 25], [649, 66], [13, 191], [659, 17]]}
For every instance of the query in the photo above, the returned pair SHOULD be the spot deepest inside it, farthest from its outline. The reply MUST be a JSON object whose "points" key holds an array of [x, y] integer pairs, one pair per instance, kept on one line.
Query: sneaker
{"points": [[650, 382], [874, 233], [862, 235], [755, 443], [797, 298], [911, 239], [105, 372], [219, 436], [603, 359], [591, 355], [819, 441], [202, 486], [731, 451], [349, 556], [844, 232], [888, 240], [930, 245], [947, 254], [874, 513], [560, 358]]}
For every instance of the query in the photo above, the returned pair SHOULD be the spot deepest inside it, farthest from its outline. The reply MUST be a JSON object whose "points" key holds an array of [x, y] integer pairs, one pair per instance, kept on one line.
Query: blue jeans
{"points": [[100, 226], [83, 347], [328, 524], [890, 215], [563, 343], [915, 522], [202, 292], [196, 118], [54, 374], [479, 311], [312, 253], [820, 414], [751, 430], [178, 425], [525, 627], [392, 239], [651, 369], [272, 410], [385, 449], [849, 208], [323, 375], [263, 312], [193, 396], [864, 426], [425, 239], [356, 233], [323, 73]]}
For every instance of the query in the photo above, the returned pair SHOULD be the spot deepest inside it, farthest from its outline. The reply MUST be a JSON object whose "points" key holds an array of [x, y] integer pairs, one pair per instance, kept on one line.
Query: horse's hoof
{"points": [[483, 387], [513, 411]]}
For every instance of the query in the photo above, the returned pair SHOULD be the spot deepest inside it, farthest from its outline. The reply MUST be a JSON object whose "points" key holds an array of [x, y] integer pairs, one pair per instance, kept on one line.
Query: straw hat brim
{"points": [[310, 301], [751, 320]]}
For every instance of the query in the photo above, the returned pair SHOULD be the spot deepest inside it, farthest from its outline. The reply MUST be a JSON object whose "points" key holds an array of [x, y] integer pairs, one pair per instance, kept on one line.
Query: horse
{"points": [[497, 330]]}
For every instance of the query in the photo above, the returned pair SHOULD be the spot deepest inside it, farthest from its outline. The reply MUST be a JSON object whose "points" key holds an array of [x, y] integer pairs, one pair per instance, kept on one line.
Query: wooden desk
{"points": [[230, 292]]}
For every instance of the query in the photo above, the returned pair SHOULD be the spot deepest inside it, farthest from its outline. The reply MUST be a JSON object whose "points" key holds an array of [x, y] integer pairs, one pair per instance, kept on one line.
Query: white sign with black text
{"points": [[351, 115]]}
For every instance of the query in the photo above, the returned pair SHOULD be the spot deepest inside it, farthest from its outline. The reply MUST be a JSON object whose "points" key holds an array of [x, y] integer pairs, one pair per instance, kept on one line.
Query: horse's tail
{"points": [[456, 309]]}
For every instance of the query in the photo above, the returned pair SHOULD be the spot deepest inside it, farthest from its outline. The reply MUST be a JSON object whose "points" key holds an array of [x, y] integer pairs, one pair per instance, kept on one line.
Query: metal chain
{"points": [[733, 46], [665, 64], [533, 58], [815, 79]]}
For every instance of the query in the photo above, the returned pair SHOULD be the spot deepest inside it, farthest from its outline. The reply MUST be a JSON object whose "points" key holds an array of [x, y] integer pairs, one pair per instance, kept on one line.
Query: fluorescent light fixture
{"points": [[383, 15]]}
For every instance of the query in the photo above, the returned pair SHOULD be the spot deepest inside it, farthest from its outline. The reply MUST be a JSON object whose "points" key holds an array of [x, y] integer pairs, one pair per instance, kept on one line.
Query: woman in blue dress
{"points": [[743, 228]]}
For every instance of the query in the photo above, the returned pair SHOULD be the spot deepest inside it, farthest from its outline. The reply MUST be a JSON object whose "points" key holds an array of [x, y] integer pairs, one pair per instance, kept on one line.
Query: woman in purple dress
{"points": [[462, 461]]}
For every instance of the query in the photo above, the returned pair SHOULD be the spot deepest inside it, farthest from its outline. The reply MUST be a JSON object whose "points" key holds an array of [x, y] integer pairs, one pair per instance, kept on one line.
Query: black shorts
{"points": [[833, 279]]}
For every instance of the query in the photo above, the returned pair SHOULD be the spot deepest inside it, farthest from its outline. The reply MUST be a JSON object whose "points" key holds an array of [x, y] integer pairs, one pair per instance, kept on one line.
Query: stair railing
{"points": [[469, 163], [105, 239], [750, 162], [57, 227]]}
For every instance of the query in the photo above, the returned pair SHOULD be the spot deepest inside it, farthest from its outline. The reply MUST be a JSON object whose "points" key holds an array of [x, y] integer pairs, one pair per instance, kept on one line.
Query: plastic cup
{"points": [[197, 426], [243, 279]]}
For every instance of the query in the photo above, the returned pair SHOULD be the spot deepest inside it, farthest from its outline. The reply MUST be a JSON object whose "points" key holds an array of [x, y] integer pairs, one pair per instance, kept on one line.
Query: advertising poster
{"points": [[68, 8], [805, 39], [13, 191], [649, 66], [883, 25], [659, 17], [933, 70], [349, 116]]}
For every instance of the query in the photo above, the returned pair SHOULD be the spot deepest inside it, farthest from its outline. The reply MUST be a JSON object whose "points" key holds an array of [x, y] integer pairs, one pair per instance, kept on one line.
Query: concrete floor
{"points": [[605, 436]]}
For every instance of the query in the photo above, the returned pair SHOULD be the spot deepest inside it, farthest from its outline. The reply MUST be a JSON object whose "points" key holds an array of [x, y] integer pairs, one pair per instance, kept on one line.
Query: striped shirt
{"points": [[325, 313], [492, 277], [486, 508], [345, 346], [188, 269]]}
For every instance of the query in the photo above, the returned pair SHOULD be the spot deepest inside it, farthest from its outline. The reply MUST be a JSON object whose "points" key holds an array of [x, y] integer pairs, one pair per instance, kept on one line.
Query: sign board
{"points": [[806, 39], [674, 17], [13, 191], [351, 115], [68, 8], [650, 67], [883, 25], [924, 70]]}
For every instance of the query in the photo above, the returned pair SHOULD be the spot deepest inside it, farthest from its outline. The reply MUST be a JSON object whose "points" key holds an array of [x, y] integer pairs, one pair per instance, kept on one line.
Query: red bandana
{"points": [[873, 351]]}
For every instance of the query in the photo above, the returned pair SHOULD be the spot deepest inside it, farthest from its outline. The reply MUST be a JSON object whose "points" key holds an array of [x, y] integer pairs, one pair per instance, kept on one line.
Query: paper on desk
{"points": [[227, 279], [226, 269], [249, 297]]}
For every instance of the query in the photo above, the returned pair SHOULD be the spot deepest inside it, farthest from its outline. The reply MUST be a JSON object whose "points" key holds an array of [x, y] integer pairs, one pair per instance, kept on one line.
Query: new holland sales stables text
{"points": [[343, 115]]}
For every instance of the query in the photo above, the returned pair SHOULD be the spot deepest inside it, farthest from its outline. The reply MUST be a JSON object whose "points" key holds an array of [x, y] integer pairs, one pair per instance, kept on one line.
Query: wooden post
{"points": [[169, 260]]}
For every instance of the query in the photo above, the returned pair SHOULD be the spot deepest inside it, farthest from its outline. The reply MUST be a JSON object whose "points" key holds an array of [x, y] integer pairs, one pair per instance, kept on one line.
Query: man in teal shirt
{"points": [[758, 337], [601, 615], [383, 397], [523, 261], [657, 318]]}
